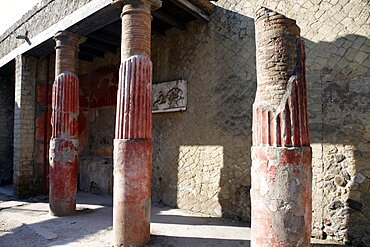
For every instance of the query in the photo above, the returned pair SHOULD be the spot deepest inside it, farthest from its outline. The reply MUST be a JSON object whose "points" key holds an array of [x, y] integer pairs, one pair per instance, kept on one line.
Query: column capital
{"points": [[66, 38], [152, 4]]}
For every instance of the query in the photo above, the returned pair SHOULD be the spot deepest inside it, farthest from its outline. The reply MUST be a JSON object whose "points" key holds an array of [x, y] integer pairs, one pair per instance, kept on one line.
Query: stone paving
{"points": [[28, 223]]}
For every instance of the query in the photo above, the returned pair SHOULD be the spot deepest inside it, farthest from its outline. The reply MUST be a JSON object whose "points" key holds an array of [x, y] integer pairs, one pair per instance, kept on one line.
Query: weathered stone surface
{"points": [[281, 153], [132, 155], [63, 152], [96, 175], [36, 20], [132, 190], [218, 61]]}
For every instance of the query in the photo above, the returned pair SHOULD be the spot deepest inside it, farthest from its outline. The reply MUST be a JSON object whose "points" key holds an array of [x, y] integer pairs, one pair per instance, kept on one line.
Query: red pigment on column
{"points": [[281, 152], [63, 153], [133, 134]]}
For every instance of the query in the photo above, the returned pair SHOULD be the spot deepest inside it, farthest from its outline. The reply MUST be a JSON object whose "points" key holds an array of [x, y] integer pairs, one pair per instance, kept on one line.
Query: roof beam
{"points": [[163, 16], [192, 9], [109, 40], [91, 51], [97, 45], [112, 30]]}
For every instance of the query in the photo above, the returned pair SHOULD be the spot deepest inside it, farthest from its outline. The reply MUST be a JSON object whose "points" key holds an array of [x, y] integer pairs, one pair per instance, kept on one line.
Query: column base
{"points": [[281, 196], [132, 191], [63, 176]]}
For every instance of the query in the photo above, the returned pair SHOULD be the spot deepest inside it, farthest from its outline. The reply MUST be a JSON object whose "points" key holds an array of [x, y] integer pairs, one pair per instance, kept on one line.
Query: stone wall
{"points": [[36, 20], [6, 127], [201, 159]]}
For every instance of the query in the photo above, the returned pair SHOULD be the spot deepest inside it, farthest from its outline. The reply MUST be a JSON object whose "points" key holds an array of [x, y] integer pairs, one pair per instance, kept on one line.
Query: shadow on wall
{"points": [[201, 157], [339, 89], [7, 89]]}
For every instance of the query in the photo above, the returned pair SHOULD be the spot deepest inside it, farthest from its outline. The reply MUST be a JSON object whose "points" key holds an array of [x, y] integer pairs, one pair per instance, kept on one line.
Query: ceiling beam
{"points": [[99, 46], [112, 30], [91, 51], [163, 16], [109, 40], [192, 9]]}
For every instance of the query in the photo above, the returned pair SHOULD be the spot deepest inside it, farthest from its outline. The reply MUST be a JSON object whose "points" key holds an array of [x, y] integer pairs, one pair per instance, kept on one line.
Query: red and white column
{"points": [[63, 153], [133, 134], [281, 152]]}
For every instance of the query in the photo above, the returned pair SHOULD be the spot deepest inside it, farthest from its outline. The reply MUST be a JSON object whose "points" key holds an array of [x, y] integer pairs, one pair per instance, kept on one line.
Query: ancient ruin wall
{"points": [[6, 127], [37, 20], [201, 159]]}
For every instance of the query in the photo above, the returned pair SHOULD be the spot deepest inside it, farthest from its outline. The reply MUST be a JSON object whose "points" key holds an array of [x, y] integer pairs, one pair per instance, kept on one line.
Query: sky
{"points": [[12, 10]]}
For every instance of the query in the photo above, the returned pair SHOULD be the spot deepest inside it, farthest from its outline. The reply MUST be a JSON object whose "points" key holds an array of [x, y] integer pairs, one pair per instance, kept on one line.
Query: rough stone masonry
{"points": [[281, 153]]}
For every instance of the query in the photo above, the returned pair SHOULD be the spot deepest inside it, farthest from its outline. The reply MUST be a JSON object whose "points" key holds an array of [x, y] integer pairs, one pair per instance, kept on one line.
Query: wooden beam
{"points": [[91, 51], [98, 20], [163, 16], [192, 9], [105, 38], [99, 46], [112, 30]]}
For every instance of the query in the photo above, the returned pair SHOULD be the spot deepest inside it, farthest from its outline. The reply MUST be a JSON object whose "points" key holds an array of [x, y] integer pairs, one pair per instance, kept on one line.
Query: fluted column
{"points": [[133, 134], [281, 152], [64, 120]]}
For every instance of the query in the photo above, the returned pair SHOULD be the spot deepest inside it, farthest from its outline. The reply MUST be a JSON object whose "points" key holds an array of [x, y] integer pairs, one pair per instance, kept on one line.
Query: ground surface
{"points": [[28, 223]]}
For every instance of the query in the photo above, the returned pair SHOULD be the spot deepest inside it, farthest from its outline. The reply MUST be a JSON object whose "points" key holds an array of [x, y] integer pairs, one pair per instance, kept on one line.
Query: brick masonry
{"points": [[281, 154], [24, 125]]}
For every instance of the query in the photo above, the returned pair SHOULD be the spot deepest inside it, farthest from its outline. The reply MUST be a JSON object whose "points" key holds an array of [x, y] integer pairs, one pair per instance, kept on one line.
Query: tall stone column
{"points": [[281, 152], [133, 134], [64, 120]]}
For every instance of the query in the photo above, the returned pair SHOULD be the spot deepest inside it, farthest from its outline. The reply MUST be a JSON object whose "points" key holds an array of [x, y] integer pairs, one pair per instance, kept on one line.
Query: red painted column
{"points": [[281, 152], [63, 153], [133, 134]]}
